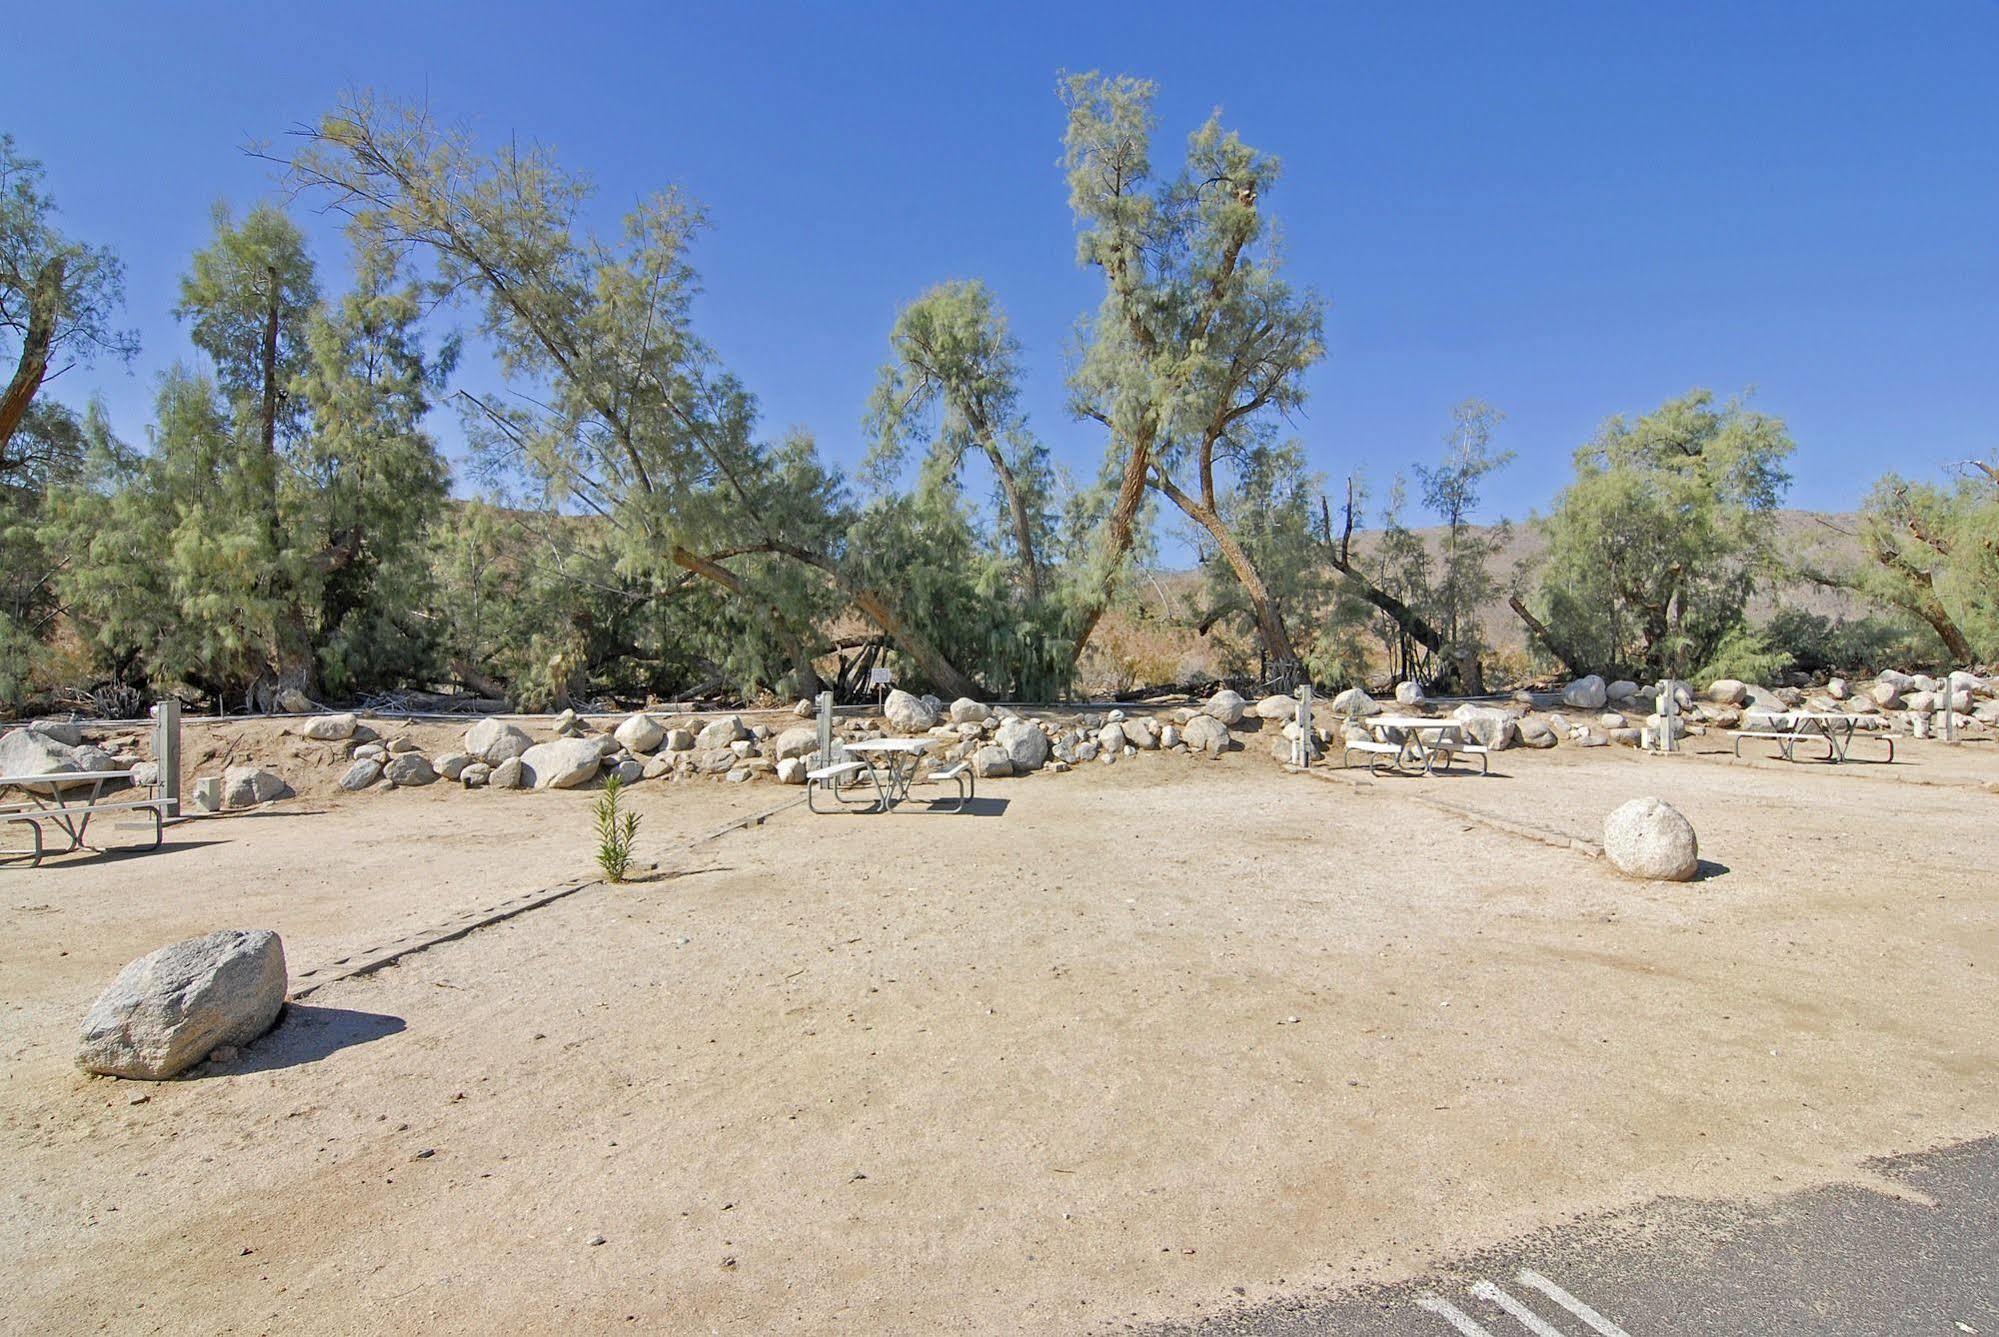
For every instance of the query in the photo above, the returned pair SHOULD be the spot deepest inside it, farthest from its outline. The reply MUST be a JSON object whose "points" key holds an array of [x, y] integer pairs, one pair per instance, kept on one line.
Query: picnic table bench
{"points": [[59, 798], [1787, 729], [1423, 745], [889, 766]]}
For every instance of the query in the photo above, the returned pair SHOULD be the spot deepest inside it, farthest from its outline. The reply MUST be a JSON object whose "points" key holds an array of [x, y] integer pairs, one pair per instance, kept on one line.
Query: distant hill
{"points": [[1830, 537]]}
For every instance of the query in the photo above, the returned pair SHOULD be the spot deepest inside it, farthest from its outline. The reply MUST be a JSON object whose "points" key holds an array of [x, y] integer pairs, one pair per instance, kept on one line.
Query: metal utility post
{"points": [[1669, 711], [166, 752], [1301, 748], [1950, 708], [826, 757]]}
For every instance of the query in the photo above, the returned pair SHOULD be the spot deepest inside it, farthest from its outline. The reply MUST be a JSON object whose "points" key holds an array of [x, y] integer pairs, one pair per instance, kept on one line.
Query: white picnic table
{"points": [[1422, 741], [69, 799], [892, 764], [1788, 728]]}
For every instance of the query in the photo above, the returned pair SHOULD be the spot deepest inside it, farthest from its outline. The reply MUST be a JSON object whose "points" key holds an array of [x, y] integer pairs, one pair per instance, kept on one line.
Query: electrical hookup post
{"points": [[1663, 731], [166, 753], [1301, 746]]}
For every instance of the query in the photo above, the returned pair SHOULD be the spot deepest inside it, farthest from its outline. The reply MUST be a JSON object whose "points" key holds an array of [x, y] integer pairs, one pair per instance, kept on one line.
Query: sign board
{"points": [[880, 677]]}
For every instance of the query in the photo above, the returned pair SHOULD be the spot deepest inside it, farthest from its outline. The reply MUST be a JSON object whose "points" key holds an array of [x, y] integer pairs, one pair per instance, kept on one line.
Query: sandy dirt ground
{"points": [[1141, 1042]]}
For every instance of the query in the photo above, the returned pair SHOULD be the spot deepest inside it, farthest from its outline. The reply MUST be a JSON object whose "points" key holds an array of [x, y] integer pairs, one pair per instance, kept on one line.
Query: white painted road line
{"points": [[1603, 1326], [1520, 1313], [1453, 1315]]}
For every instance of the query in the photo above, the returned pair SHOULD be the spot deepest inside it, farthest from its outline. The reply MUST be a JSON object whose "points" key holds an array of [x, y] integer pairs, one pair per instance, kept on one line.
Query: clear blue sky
{"points": [[1567, 210]]}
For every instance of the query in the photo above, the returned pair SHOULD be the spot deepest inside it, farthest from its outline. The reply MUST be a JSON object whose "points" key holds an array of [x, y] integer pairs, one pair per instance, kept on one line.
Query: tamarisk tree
{"points": [[1655, 547], [1198, 343], [57, 300], [618, 408], [951, 390]]}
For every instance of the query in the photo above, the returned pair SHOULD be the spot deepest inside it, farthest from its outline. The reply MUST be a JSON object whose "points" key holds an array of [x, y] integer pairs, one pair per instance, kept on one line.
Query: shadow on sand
{"points": [[305, 1034]]}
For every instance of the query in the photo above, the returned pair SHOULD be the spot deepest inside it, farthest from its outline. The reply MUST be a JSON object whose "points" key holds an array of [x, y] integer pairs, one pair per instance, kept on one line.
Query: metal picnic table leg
{"points": [[34, 855], [880, 782]]}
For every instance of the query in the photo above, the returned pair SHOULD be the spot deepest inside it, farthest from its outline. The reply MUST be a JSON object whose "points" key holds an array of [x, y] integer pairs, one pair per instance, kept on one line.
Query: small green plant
{"points": [[617, 831]]}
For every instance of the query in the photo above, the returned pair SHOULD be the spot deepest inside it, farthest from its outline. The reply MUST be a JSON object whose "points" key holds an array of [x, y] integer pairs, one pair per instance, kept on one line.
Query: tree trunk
{"points": [[930, 660], [1569, 660], [1117, 544], [33, 365], [1269, 621], [809, 683], [1926, 605], [269, 423], [1023, 525]]}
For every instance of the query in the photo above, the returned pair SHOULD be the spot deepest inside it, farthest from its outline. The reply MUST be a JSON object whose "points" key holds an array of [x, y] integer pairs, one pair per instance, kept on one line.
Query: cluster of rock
{"points": [[498, 754], [1591, 712], [55, 747]]}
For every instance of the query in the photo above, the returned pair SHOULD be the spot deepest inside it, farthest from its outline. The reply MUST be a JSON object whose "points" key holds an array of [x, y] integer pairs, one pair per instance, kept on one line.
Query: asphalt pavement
{"points": [[1842, 1261]]}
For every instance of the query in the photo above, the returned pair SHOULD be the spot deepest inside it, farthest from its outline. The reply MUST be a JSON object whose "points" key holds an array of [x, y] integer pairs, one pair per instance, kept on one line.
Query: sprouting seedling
{"points": [[617, 832]]}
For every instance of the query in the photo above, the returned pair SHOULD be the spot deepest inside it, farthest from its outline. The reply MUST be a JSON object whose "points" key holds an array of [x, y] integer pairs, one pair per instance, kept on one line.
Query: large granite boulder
{"points": [[1277, 708], [495, 741], [364, 772], [1487, 726], [967, 711], [909, 714], [67, 732], [720, 733], [1648, 838], [247, 786], [410, 770], [1226, 706], [1206, 733], [801, 741], [170, 1009], [1026, 746], [1354, 703], [565, 763], [640, 733], [1586, 693], [31, 751], [328, 728]]}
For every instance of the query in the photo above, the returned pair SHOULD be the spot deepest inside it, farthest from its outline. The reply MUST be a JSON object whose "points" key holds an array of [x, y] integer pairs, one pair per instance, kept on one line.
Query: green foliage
{"points": [[617, 831], [1932, 552], [1199, 345], [57, 301], [621, 411], [1747, 655], [951, 390], [1451, 492], [89, 281], [276, 531], [1817, 643], [1655, 547]]}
